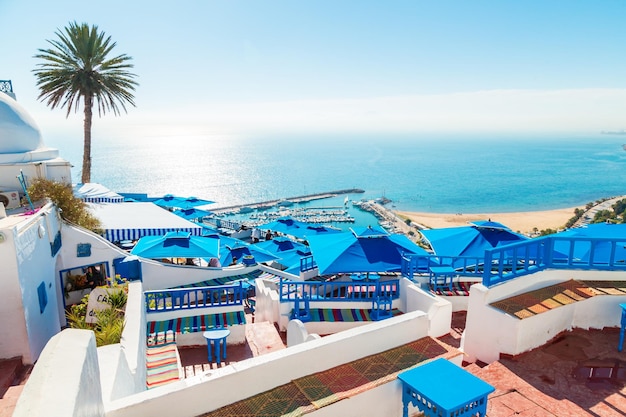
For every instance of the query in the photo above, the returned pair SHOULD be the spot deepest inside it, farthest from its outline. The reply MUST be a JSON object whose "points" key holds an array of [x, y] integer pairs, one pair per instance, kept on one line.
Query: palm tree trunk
{"points": [[86, 174]]}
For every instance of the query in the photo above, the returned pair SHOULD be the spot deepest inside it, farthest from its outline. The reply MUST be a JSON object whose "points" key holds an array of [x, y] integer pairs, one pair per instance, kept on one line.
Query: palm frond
{"points": [[78, 65]]}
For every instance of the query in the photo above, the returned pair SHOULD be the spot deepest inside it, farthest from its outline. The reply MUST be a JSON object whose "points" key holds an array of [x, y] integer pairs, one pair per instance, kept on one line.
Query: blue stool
{"points": [[623, 328], [218, 337]]}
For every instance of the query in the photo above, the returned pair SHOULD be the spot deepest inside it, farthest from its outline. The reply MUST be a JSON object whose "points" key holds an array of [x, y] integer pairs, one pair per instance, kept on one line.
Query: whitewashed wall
{"points": [[438, 309], [157, 275], [48, 165], [489, 332], [102, 251], [27, 262], [65, 381], [267, 302], [36, 266], [13, 335], [123, 365]]}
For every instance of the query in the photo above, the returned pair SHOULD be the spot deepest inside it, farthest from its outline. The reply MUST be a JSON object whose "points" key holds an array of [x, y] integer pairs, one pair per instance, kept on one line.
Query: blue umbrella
{"points": [[280, 244], [291, 260], [472, 240], [235, 248], [192, 213], [288, 252], [368, 249], [169, 200], [601, 249], [177, 245]]}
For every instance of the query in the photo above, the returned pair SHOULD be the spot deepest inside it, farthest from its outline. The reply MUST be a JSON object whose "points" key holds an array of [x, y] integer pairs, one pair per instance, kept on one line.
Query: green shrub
{"points": [[110, 324], [73, 209]]}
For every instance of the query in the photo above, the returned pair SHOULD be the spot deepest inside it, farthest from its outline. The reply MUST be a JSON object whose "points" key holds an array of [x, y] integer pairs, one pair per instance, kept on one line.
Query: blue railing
{"points": [[193, 298], [338, 291], [582, 253], [307, 263], [222, 223], [522, 258], [470, 266]]}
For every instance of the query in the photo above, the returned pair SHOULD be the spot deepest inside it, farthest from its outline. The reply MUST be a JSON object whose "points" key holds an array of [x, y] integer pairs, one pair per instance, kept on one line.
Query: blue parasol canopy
{"points": [[236, 248], [361, 250], [583, 250], [192, 213], [177, 245], [472, 240], [291, 260], [280, 244], [288, 252], [169, 200]]}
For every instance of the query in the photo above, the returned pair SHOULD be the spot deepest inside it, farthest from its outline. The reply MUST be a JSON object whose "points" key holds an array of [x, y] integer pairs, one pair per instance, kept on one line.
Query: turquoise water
{"points": [[418, 173]]}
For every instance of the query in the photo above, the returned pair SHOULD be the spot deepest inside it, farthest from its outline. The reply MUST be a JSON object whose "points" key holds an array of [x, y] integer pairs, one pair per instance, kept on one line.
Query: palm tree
{"points": [[77, 66]]}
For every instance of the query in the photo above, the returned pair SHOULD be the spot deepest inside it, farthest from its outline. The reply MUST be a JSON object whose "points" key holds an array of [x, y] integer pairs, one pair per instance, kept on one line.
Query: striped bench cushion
{"points": [[458, 288], [327, 314], [161, 365], [249, 277], [197, 323]]}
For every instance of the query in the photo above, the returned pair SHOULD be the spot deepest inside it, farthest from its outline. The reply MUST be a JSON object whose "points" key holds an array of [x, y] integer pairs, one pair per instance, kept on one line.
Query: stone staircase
{"points": [[13, 376]]}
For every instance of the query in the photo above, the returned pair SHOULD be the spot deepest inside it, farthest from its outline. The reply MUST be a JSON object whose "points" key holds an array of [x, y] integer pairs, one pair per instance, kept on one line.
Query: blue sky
{"points": [[265, 67]]}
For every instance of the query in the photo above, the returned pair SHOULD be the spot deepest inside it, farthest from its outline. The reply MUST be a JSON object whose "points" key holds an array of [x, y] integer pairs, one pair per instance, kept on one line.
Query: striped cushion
{"points": [[251, 276], [327, 314], [197, 323], [458, 288], [161, 365]]}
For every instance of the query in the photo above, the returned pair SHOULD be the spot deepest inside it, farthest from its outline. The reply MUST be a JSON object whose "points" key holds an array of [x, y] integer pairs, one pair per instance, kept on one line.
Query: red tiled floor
{"points": [[261, 338], [13, 376], [550, 380]]}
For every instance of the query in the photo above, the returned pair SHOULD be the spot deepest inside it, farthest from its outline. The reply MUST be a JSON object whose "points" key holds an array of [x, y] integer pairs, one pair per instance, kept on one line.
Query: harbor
{"points": [[284, 202], [339, 211]]}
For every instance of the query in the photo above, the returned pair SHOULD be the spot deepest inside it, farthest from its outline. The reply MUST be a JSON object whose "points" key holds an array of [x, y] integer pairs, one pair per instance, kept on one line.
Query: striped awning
{"points": [[131, 221], [197, 323], [96, 193], [118, 235]]}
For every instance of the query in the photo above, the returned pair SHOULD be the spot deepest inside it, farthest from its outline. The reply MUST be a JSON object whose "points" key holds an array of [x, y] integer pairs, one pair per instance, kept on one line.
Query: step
{"points": [[263, 338], [9, 370]]}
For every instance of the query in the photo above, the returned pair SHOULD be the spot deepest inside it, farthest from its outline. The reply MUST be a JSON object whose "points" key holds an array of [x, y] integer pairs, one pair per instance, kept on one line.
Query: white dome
{"points": [[18, 131]]}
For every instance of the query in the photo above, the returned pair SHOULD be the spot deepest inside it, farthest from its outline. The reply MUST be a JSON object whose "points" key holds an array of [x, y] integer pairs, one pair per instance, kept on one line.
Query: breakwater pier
{"points": [[285, 201]]}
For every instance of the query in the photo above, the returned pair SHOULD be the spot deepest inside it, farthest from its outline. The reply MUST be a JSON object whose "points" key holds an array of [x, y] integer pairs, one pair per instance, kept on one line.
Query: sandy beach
{"points": [[523, 222]]}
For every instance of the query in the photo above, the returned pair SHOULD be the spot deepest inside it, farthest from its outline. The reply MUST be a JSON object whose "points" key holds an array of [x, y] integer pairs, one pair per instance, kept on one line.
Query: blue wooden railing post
{"points": [[487, 268]]}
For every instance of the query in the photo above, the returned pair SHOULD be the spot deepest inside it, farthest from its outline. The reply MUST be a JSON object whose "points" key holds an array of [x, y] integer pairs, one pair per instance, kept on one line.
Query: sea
{"points": [[453, 173]]}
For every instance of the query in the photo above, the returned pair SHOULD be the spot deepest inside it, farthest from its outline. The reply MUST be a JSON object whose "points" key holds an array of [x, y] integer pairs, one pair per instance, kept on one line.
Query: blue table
{"points": [[373, 277], [622, 328], [441, 277], [357, 277], [441, 388], [216, 337]]}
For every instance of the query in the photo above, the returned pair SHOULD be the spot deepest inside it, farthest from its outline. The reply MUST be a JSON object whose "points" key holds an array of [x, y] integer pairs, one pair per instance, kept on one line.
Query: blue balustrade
{"points": [[338, 291], [194, 298], [307, 263], [508, 262]]}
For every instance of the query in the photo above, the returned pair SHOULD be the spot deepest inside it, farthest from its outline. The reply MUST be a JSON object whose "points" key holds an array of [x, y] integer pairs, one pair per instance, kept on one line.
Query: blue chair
{"points": [[302, 314], [381, 308]]}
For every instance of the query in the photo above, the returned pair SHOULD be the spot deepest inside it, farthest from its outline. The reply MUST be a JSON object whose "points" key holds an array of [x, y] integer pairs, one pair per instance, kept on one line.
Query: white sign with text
{"points": [[98, 301]]}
